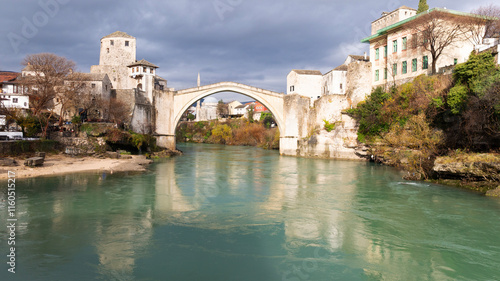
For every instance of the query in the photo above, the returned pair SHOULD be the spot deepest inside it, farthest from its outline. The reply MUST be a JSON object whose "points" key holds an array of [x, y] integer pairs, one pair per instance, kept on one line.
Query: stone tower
{"points": [[118, 50]]}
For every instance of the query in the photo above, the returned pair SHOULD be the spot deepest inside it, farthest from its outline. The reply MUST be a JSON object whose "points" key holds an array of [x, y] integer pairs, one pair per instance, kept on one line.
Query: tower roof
{"points": [[118, 34], [142, 62]]}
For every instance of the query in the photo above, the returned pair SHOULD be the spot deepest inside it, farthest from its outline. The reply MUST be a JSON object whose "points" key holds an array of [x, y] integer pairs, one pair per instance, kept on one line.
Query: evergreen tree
{"points": [[422, 6]]}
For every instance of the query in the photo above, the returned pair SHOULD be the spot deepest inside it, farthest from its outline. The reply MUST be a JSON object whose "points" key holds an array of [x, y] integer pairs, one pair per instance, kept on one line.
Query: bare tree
{"points": [[437, 30], [45, 72], [67, 95], [119, 112], [485, 25], [222, 109]]}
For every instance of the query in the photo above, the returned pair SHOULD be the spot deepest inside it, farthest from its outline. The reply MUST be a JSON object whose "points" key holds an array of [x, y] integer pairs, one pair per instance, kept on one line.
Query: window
{"points": [[377, 75], [151, 70], [292, 88], [455, 61], [341, 86], [414, 65], [395, 69], [405, 68], [107, 50], [112, 42], [377, 53], [14, 100], [405, 43], [385, 51], [144, 70], [425, 63], [126, 43], [16, 89], [395, 46], [385, 73], [93, 85]]}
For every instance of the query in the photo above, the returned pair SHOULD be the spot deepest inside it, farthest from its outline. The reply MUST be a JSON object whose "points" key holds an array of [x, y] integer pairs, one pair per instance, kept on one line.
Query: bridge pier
{"points": [[289, 146], [166, 141]]}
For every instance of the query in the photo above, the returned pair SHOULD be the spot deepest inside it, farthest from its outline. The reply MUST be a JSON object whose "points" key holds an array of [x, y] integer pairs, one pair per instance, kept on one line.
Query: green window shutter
{"points": [[385, 51], [385, 73], [414, 65], [425, 62], [377, 53], [405, 43], [395, 46], [405, 67], [395, 69], [376, 75]]}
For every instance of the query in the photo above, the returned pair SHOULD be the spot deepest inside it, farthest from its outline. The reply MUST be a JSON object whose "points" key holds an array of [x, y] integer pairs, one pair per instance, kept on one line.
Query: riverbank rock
{"points": [[166, 153], [494, 192], [6, 162], [112, 155], [470, 170]]}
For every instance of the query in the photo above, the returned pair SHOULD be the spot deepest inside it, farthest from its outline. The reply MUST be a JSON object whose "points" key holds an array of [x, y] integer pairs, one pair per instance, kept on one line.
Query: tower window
{"points": [[112, 42], [107, 50], [126, 43], [144, 69]]}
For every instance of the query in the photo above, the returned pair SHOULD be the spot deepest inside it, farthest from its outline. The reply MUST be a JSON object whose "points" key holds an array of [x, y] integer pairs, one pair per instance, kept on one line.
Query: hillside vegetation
{"points": [[231, 132], [412, 124]]}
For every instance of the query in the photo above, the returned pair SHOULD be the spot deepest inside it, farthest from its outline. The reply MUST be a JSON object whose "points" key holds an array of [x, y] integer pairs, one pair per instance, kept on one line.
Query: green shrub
{"points": [[329, 126], [457, 98], [222, 133]]}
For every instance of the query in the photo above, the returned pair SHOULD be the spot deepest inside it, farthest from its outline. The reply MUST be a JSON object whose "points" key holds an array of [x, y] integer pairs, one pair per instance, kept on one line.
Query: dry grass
{"points": [[469, 157]]}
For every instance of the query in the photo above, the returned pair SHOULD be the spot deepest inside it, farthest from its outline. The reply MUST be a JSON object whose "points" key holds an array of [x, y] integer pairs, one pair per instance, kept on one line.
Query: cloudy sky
{"points": [[252, 42]]}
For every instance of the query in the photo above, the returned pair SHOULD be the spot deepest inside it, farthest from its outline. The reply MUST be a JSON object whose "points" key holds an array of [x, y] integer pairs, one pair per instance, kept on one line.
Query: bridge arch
{"points": [[271, 100]]}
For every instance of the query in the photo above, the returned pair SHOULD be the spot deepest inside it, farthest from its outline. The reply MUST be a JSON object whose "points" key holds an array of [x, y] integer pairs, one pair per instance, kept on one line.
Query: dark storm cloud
{"points": [[252, 42]]}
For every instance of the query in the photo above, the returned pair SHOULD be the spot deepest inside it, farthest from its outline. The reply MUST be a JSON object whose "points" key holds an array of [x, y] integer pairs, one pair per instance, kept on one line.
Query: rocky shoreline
{"points": [[479, 172]]}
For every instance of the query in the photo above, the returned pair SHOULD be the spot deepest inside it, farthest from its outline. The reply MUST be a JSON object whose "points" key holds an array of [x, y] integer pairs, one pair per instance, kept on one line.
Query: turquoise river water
{"points": [[242, 213]]}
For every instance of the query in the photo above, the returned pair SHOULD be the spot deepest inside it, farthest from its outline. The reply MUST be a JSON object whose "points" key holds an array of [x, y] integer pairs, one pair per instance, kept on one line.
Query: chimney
{"points": [[365, 56]]}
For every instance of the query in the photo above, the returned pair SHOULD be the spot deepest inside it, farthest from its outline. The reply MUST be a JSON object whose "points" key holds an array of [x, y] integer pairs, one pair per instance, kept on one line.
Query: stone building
{"points": [[304, 82], [133, 82], [396, 54], [351, 79], [11, 92], [118, 51], [232, 108], [95, 91], [207, 110]]}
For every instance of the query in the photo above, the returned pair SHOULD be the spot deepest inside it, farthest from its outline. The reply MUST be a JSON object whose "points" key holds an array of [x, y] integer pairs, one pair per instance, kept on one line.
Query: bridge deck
{"points": [[224, 85]]}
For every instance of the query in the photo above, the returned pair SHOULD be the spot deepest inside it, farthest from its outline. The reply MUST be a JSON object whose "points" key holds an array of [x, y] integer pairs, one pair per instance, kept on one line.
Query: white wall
{"points": [[304, 85], [15, 101], [334, 83]]}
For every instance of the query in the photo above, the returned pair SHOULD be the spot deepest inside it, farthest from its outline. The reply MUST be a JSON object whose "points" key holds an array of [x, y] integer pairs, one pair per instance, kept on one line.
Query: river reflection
{"points": [[239, 213]]}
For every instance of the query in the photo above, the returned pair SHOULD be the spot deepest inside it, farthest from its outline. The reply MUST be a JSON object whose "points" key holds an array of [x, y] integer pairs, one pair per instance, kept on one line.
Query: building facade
{"points": [[397, 53], [351, 79], [11, 93]]}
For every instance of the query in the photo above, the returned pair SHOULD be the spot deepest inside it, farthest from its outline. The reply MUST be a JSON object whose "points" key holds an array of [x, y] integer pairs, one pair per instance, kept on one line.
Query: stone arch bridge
{"points": [[287, 111]]}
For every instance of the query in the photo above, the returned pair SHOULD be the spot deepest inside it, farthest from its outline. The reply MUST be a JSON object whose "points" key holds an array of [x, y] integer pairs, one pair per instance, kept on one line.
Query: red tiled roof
{"points": [[8, 76]]}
